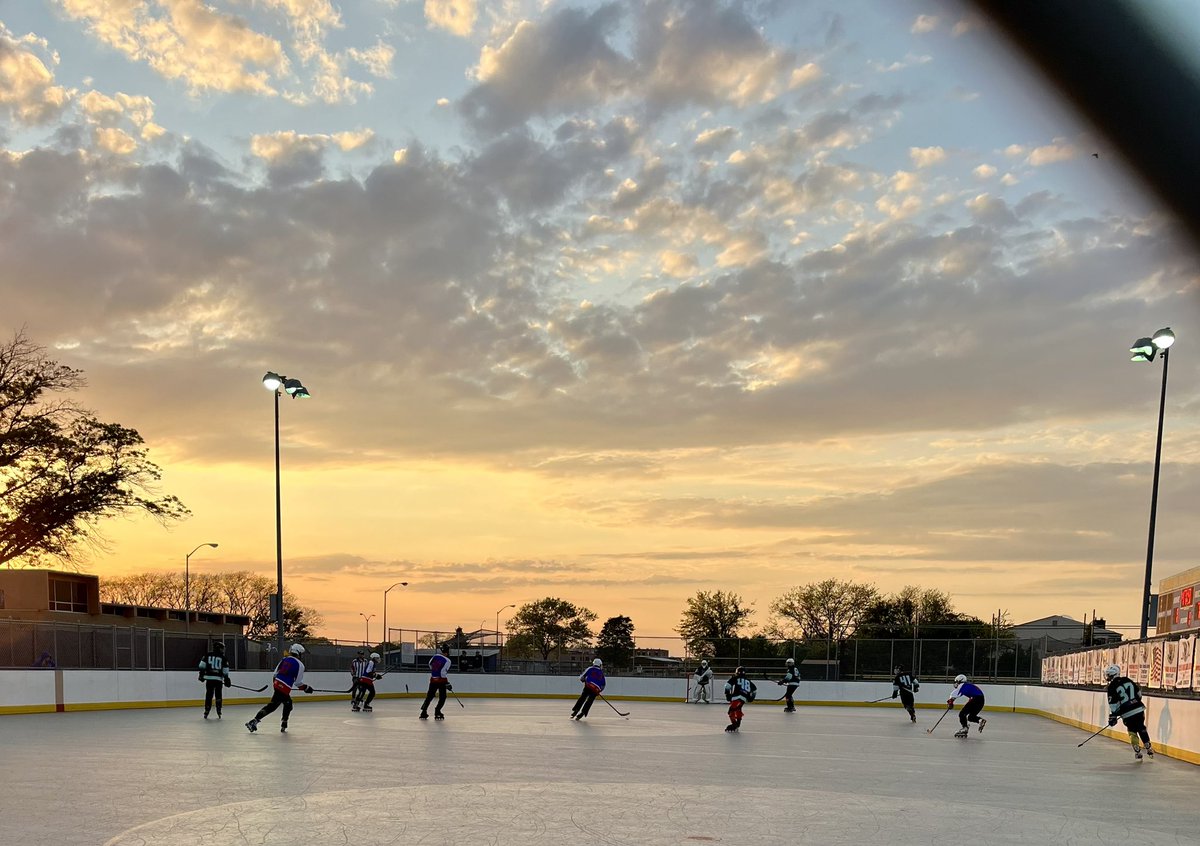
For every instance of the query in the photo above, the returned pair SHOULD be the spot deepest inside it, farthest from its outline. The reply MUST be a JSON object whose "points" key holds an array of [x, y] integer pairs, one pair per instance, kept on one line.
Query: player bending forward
{"points": [[593, 684], [738, 691], [703, 678], [288, 675], [970, 710], [365, 683], [1125, 703]]}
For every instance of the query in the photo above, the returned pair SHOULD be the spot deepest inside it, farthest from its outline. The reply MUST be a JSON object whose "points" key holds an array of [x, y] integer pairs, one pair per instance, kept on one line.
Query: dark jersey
{"points": [[740, 687], [212, 667], [1124, 698], [907, 682], [791, 676]]}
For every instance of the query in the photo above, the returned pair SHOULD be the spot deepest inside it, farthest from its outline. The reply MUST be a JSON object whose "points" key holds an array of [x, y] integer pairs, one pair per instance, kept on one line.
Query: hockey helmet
{"points": [[960, 678], [218, 647], [296, 649], [790, 661], [703, 663], [362, 652], [739, 672], [596, 662], [374, 656], [1112, 671]]}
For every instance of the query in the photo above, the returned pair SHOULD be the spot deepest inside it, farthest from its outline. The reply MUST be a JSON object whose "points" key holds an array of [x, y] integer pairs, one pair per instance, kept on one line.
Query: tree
{"points": [[826, 610], [552, 624], [615, 643], [220, 593], [711, 622], [917, 612], [62, 471]]}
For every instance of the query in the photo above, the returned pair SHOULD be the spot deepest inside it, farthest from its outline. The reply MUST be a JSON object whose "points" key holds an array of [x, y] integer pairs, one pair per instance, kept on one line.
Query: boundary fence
{"points": [[1169, 665]]}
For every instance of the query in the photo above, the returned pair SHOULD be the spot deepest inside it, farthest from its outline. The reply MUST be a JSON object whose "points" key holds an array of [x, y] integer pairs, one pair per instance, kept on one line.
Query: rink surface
{"points": [[511, 771]]}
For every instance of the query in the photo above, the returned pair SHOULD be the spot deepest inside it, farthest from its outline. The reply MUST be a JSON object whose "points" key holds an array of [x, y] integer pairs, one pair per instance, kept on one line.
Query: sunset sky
{"points": [[606, 301]]}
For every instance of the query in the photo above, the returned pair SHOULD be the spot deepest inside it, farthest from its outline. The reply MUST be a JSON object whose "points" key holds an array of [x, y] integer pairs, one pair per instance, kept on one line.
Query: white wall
{"points": [[1174, 723]]}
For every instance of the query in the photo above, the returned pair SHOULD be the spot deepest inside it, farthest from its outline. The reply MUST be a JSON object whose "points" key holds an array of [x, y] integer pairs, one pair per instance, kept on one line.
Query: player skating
{"points": [[593, 683], [1125, 704], [288, 675], [905, 685], [791, 678], [971, 708], [439, 683], [365, 683], [214, 673], [704, 677], [738, 691]]}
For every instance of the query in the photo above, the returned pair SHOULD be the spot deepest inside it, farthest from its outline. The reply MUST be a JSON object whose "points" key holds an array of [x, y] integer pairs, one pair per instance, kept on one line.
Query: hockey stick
{"points": [[326, 690], [614, 707], [456, 699], [251, 689], [949, 708], [880, 699], [1099, 731]]}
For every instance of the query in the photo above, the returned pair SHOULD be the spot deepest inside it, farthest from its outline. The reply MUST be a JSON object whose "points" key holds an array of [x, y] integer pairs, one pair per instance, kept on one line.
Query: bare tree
{"points": [[826, 610]]}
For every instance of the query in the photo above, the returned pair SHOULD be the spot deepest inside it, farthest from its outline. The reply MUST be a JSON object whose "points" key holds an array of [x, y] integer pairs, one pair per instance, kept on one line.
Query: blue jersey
{"points": [[439, 666], [593, 677], [968, 690], [289, 674]]}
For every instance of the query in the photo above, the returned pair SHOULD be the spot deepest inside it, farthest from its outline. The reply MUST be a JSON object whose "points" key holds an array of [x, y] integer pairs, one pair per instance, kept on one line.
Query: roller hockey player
{"points": [[1125, 704], [593, 683], [214, 674], [738, 691], [970, 710], [365, 683], [791, 678], [703, 678], [289, 675], [439, 668], [904, 685]]}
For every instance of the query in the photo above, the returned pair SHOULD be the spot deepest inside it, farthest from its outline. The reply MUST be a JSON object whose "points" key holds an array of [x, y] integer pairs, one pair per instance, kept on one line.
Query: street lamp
{"points": [[273, 382], [1143, 349], [367, 617], [387, 635], [187, 594], [499, 644]]}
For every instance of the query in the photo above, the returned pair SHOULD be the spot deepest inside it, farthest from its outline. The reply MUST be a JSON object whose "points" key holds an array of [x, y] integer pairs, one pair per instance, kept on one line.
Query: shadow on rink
{"points": [[509, 771]]}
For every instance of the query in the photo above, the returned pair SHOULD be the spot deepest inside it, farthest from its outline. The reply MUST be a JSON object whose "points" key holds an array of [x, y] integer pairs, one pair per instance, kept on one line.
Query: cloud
{"points": [[115, 141], [714, 139], [924, 24], [1059, 151], [27, 89], [923, 157], [210, 50], [377, 60], [455, 16], [697, 52], [984, 171]]}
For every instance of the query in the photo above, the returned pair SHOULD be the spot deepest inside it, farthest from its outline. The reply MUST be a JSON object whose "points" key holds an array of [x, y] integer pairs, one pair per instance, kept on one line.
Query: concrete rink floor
{"points": [[512, 771]]}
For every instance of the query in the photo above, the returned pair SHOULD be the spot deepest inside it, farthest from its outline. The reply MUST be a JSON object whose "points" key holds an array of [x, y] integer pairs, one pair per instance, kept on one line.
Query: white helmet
{"points": [[791, 661], [374, 656], [597, 663], [1112, 671], [296, 649], [703, 663], [960, 678]]}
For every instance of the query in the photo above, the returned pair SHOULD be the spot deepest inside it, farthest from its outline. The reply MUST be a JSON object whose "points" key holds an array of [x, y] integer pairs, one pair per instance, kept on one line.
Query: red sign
{"points": [[1185, 596]]}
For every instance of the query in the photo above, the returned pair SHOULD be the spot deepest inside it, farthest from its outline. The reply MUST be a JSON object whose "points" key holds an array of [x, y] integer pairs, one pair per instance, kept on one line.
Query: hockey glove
{"points": [[308, 688], [449, 686], [228, 682], [916, 687], [202, 677], [949, 703], [1112, 721], [895, 693]]}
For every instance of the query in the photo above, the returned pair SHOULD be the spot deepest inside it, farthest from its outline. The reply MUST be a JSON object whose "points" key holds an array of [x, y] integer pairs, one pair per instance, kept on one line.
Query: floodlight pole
{"points": [[1162, 405]]}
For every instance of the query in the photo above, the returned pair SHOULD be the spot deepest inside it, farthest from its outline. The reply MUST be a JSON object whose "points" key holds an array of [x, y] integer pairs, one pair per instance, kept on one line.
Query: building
{"points": [[55, 596], [1061, 633], [1179, 603]]}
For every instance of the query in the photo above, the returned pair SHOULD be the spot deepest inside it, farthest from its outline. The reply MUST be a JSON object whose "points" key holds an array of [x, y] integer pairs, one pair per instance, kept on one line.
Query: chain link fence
{"points": [[25, 644]]}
